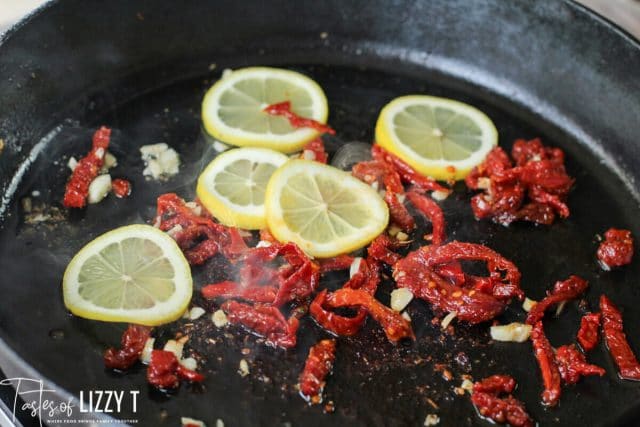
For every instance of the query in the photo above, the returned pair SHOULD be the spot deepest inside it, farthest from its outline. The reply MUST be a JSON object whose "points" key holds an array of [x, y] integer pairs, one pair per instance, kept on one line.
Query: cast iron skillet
{"points": [[546, 68]]}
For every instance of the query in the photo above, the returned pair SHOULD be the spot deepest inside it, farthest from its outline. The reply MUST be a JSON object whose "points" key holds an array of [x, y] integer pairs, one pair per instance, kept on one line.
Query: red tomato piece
{"points": [[318, 365], [131, 346]]}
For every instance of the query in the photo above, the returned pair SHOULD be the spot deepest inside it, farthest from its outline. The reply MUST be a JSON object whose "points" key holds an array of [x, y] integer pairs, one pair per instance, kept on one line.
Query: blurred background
{"points": [[625, 13]]}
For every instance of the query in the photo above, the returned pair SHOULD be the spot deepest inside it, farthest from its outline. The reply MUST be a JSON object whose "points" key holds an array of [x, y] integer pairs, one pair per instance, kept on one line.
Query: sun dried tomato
{"points": [[318, 365], [233, 244], [421, 272], [332, 322], [454, 274], [316, 148], [500, 409], [496, 161], [165, 372], [616, 340], [265, 321], [548, 365], [540, 196], [382, 173], [539, 166], [131, 346], [284, 109], [539, 175], [299, 284], [261, 280], [536, 212], [545, 175], [430, 209], [500, 203], [470, 305], [573, 365], [187, 374], [565, 290], [229, 289], [524, 152], [86, 170], [504, 276], [382, 247], [500, 200], [388, 170], [373, 172], [367, 278], [398, 212], [295, 280], [495, 384], [394, 325], [172, 210], [162, 371], [408, 174], [200, 252], [589, 333], [121, 188], [198, 235], [340, 262], [616, 250]]}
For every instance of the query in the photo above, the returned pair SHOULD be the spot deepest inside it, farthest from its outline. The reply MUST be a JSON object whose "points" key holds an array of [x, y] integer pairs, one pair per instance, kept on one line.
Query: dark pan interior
{"points": [[150, 90]]}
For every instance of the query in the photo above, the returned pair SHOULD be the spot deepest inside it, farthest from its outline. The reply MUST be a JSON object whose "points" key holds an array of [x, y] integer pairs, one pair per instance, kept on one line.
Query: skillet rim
{"points": [[9, 356]]}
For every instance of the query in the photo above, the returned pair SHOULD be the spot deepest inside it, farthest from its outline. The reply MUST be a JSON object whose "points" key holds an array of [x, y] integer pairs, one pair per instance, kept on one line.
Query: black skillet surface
{"points": [[547, 69]]}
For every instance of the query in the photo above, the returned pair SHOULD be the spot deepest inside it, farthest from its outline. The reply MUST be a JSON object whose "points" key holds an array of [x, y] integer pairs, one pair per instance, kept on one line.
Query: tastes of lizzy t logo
{"points": [[46, 406]]}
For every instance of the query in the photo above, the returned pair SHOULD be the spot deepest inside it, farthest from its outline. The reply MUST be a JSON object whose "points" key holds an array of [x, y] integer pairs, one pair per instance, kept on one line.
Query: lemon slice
{"points": [[322, 209], [439, 137], [134, 274], [232, 187], [233, 109]]}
